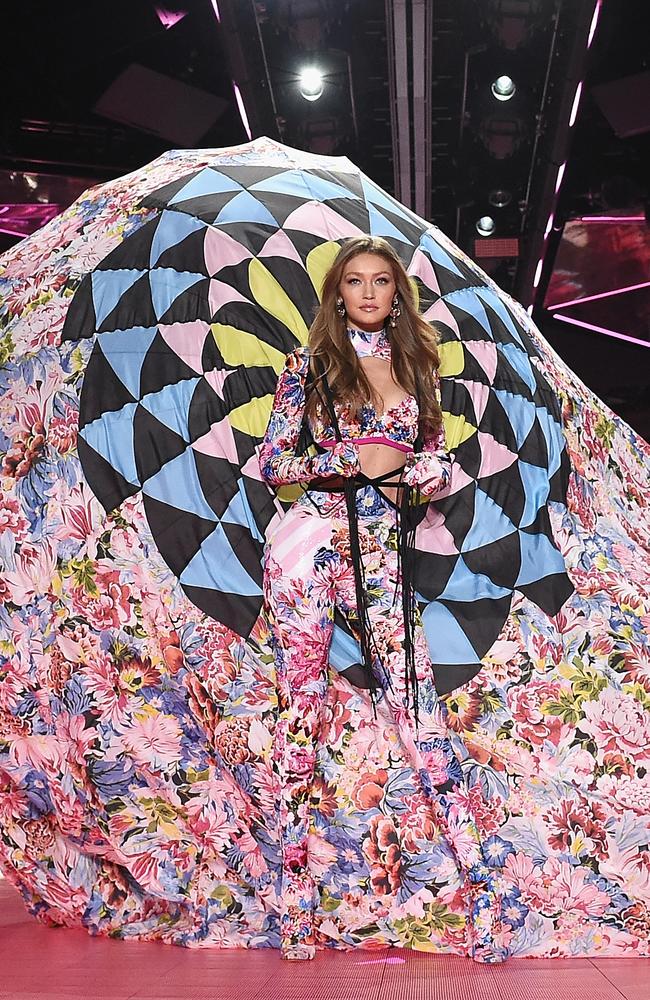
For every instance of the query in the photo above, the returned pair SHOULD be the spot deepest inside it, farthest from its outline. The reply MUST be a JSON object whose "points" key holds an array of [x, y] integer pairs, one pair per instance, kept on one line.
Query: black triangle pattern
{"points": [[210, 482]]}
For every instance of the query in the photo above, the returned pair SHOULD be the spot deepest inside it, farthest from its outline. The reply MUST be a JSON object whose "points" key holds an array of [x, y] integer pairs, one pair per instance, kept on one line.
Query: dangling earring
{"points": [[340, 308], [395, 312]]}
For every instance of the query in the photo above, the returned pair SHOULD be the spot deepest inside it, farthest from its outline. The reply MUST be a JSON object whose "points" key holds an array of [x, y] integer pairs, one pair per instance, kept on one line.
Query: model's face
{"points": [[367, 289]]}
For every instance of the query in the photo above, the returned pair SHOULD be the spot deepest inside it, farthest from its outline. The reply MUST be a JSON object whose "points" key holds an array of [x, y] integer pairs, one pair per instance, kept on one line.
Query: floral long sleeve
{"points": [[279, 462], [430, 469]]}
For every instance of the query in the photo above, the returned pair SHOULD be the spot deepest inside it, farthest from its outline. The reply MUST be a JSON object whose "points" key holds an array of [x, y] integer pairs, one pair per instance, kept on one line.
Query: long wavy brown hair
{"points": [[415, 359]]}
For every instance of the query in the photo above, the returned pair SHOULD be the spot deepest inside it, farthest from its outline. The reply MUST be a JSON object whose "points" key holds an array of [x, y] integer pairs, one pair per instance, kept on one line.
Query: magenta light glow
{"points": [[215, 7], [168, 18], [600, 295], [612, 218], [538, 272], [576, 103], [560, 176], [549, 225], [602, 329], [594, 22], [242, 110]]}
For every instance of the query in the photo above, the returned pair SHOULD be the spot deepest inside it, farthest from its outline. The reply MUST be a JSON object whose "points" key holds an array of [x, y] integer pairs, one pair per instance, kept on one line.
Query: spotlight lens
{"points": [[503, 88], [499, 197], [485, 225], [311, 83]]}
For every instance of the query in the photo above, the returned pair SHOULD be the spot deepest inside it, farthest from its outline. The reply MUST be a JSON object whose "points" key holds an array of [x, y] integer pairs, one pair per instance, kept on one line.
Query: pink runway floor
{"points": [[37, 962]]}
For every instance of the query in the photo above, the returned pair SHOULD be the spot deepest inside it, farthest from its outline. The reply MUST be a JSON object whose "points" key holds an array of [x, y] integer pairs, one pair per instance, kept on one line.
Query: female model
{"points": [[364, 394]]}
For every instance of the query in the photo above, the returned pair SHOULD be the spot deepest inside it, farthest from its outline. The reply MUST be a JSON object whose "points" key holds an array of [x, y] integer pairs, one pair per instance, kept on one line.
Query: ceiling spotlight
{"points": [[503, 88], [310, 83], [499, 197], [485, 225]]}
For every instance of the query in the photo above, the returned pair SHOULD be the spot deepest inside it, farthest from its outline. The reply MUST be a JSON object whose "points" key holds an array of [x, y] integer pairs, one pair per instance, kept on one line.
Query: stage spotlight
{"points": [[311, 83], [503, 88], [485, 225], [499, 197]]}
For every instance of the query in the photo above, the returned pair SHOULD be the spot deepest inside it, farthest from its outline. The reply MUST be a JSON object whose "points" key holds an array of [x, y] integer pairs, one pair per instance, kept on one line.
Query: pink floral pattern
{"points": [[137, 790]]}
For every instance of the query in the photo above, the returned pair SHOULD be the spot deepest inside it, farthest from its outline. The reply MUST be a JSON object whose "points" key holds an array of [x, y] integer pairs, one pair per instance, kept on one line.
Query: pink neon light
{"points": [[560, 175], [549, 225], [168, 18], [612, 218], [594, 22], [576, 102], [242, 110], [215, 7], [602, 329], [600, 295], [538, 272]]}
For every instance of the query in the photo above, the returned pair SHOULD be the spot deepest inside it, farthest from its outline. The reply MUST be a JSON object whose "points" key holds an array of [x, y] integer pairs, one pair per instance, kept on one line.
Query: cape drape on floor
{"points": [[137, 697]]}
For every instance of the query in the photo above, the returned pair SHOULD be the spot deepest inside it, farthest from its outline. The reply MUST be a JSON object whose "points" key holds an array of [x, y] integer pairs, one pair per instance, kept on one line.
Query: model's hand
{"points": [[427, 470]]}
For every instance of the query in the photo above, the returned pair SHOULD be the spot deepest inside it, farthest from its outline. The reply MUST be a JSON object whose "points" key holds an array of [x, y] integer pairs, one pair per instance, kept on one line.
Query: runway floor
{"points": [[37, 963]]}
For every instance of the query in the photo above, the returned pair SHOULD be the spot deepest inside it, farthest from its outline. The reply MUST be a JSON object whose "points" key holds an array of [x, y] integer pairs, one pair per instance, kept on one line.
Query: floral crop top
{"points": [[280, 463]]}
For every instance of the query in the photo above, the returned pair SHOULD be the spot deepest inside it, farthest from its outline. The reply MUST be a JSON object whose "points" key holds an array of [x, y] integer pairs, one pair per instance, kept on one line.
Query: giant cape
{"points": [[137, 701]]}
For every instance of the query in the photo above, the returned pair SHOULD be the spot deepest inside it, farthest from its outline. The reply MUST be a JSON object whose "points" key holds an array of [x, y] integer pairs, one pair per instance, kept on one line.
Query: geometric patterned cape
{"points": [[191, 318], [137, 791]]}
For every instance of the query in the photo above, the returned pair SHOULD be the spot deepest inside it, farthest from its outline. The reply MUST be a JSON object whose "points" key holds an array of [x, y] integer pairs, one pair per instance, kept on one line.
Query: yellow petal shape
{"points": [[252, 417], [319, 261], [457, 430], [452, 358], [270, 295], [238, 347]]}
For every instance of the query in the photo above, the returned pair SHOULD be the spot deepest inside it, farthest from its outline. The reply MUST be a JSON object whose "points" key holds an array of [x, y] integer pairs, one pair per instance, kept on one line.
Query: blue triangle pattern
{"points": [[463, 585], [539, 558], [520, 362], [447, 640], [491, 299], [375, 196], [109, 287], [245, 208], [203, 184], [379, 226], [520, 412], [488, 525], [178, 485], [167, 284], [111, 435], [216, 567], [554, 439], [125, 351], [467, 300], [536, 489], [171, 405], [302, 184], [239, 512], [437, 254], [172, 229]]}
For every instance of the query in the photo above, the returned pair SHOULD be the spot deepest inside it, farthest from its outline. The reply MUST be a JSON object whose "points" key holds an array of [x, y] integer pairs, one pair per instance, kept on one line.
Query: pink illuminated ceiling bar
{"points": [[603, 329], [598, 295]]}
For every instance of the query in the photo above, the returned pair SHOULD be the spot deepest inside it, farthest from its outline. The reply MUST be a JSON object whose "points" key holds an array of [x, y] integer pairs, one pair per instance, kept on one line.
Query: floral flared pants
{"points": [[308, 573]]}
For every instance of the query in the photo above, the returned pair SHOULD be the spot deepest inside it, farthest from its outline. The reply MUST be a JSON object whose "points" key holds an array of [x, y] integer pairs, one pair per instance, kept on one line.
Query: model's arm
{"points": [[430, 469], [279, 463]]}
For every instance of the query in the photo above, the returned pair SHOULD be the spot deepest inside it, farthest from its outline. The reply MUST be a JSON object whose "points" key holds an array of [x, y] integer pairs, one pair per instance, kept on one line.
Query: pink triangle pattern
{"points": [[220, 294], [220, 250], [422, 267], [321, 220], [187, 340], [279, 245], [219, 442], [495, 457], [485, 353], [216, 379]]}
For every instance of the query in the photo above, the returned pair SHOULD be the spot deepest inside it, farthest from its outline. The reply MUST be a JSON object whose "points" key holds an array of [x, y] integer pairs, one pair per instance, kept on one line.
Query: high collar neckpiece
{"points": [[370, 345]]}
